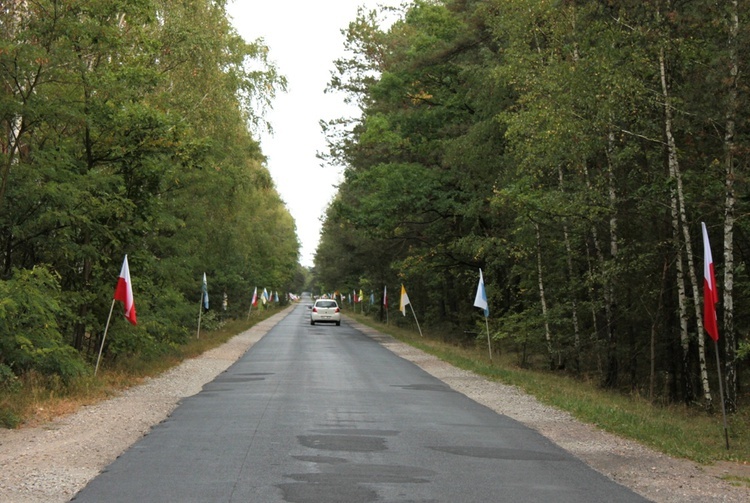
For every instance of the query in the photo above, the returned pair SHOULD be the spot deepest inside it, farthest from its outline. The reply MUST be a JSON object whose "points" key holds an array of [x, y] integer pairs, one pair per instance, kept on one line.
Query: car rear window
{"points": [[326, 303]]}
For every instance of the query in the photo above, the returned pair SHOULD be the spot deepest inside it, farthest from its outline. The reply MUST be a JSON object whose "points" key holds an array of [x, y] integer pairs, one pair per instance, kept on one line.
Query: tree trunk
{"points": [[730, 370], [612, 370], [611, 306], [654, 324], [572, 281], [542, 298], [679, 222]]}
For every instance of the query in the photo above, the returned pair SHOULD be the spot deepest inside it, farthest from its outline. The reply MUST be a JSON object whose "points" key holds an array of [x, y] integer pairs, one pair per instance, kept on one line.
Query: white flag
{"points": [[481, 298]]}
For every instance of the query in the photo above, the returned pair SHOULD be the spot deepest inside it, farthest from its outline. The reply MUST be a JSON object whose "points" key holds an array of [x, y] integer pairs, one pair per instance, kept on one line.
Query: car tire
{"points": [[312, 322], [338, 323]]}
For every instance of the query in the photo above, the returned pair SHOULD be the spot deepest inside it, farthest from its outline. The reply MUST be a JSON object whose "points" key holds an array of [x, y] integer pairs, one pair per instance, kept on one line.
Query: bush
{"points": [[8, 380], [29, 336], [62, 361]]}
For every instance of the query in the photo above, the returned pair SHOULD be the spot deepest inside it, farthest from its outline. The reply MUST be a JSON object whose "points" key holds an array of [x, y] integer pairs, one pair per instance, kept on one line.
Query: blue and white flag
{"points": [[204, 291], [481, 298]]}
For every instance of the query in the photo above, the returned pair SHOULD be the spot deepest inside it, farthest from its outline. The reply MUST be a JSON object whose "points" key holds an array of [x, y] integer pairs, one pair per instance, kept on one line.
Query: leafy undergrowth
{"points": [[36, 399], [676, 430]]}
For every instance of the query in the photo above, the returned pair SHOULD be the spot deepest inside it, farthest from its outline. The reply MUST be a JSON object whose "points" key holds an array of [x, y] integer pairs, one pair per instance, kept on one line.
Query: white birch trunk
{"points": [[730, 372], [542, 298], [681, 222], [607, 288]]}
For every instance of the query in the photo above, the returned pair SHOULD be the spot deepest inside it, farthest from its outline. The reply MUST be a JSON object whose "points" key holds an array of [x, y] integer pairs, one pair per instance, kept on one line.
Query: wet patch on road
{"points": [[238, 379], [346, 443], [425, 387], [349, 483], [358, 431], [500, 453], [330, 460]]}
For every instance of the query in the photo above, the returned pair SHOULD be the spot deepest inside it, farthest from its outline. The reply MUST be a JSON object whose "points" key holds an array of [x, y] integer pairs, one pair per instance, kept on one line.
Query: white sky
{"points": [[304, 38]]}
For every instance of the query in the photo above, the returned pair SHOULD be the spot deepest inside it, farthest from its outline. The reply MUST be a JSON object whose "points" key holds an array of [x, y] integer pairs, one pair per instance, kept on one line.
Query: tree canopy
{"points": [[128, 128], [571, 151]]}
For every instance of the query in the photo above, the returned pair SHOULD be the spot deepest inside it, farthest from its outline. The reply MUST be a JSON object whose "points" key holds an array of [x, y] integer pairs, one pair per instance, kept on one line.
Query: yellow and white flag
{"points": [[404, 300]]}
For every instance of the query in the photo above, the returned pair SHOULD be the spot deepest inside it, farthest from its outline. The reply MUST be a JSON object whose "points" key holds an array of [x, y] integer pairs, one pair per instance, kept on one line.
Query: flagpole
{"points": [[489, 341], [710, 298], [200, 312], [106, 328], [415, 319], [385, 303], [721, 395]]}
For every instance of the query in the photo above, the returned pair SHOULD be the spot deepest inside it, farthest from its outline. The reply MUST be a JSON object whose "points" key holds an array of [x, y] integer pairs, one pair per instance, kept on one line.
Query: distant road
{"points": [[324, 414]]}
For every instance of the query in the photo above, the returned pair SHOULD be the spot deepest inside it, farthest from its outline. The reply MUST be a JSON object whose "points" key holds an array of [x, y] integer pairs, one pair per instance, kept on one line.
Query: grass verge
{"points": [[38, 399], [675, 430]]}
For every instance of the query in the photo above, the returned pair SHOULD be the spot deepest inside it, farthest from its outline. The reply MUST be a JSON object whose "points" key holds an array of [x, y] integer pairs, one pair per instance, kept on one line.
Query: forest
{"points": [[128, 128], [570, 149]]}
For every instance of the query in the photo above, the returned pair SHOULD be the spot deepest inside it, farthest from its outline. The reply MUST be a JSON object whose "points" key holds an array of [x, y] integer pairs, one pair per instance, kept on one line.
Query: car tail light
{"points": [[315, 310], [337, 310]]}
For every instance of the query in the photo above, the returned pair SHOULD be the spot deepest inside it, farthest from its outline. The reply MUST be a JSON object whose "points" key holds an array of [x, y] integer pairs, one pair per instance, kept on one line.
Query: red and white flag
{"points": [[710, 294], [124, 292], [254, 302], [385, 296]]}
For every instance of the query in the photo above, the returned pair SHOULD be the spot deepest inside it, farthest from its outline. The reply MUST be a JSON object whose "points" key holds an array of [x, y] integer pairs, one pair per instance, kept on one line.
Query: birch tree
{"points": [[680, 222], [730, 128]]}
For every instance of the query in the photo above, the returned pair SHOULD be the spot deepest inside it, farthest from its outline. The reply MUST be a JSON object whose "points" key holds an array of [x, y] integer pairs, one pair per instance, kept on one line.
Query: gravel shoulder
{"points": [[51, 463]]}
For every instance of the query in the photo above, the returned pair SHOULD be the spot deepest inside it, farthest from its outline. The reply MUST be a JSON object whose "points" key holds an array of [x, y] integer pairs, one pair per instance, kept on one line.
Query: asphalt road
{"points": [[325, 414]]}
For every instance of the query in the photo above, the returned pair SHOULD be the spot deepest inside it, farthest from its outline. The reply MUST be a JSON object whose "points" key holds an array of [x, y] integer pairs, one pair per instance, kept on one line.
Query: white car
{"points": [[325, 310]]}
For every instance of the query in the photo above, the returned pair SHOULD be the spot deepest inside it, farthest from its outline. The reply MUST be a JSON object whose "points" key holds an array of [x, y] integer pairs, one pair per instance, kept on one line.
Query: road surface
{"points": [[325, 414]]}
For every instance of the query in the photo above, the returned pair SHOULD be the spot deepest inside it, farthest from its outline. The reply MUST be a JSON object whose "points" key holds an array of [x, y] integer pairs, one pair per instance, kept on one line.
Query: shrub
{"points": [[8, 380], [29, 336]]}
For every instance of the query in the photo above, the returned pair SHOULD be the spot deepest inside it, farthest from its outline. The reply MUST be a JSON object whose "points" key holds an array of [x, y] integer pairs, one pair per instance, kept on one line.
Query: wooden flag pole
{"points": [[721, 395], [106, 329]]}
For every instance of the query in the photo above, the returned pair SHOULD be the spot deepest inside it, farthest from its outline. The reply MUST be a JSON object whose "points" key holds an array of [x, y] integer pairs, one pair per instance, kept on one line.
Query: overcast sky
{"points": [[304, 38]]}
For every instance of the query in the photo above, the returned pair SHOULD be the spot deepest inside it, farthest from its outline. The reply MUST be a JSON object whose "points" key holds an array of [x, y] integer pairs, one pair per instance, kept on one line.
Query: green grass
{"points": [[675, 430], [38, 399]]}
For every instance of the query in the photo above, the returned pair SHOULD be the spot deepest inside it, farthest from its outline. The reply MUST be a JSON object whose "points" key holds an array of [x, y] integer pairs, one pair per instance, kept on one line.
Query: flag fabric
{"points": [[204, 291], [480, 300], [354, 296], [404, 300], [361, 296], [276, 296], [124, 292], [372, 298], [385, 296], [710, 294], [254, 302]]}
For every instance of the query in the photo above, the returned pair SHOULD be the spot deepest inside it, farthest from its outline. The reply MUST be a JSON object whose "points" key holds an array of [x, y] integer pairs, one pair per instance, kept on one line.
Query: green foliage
{"points": [[29, 335], [8, 379], [528, 139], [127, 131]]}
